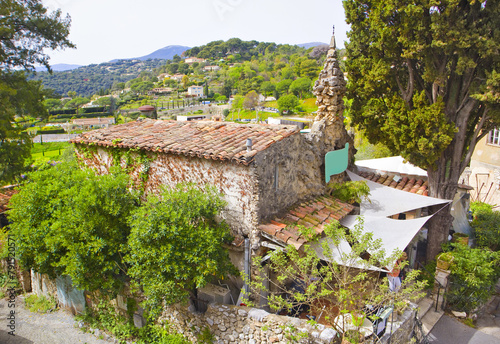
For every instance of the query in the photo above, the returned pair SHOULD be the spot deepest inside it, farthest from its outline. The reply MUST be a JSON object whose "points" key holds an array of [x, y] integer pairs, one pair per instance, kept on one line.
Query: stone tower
{"points": [[328, 131]]}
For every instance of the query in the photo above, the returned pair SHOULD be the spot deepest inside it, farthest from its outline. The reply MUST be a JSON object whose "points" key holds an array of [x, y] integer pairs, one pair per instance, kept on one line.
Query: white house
{"points": [[196, 91]]}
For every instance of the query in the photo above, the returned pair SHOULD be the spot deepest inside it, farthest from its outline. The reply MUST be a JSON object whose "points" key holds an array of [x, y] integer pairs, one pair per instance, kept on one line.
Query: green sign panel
{"points": [[336, 162]]}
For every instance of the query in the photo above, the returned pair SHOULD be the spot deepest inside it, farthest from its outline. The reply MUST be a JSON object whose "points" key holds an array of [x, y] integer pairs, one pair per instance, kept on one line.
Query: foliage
{"points": [[175, 243], [205, 336], [27, 30], [40, 304], [486, 225], [474, 273], [157, 334], [69, 221], [423, 81], [333, 284], [251, 100], [17, 97], [288, 103], [350, 192]]}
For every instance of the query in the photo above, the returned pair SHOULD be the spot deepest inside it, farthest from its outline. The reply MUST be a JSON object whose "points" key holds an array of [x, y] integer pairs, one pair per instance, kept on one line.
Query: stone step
{"points": [[428, 314]]}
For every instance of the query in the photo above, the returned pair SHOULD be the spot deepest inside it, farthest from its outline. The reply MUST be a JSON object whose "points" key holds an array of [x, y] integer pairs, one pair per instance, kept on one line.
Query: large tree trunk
{"points": [[443, 180]]}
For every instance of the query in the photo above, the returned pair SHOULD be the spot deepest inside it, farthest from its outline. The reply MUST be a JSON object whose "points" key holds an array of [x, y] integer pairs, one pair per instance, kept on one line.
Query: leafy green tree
{"points": [[288, 103], [51, 103], [267, 88], [76, 102], [283, 86], [69, 221], [176, 243], [336, 283], [17, 97], [26, 30], [300, 86], [424, 81]]}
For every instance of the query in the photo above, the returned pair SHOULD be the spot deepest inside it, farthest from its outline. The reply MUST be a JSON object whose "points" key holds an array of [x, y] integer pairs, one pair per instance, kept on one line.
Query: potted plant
{"points": [[461, 238], [444, 260]]}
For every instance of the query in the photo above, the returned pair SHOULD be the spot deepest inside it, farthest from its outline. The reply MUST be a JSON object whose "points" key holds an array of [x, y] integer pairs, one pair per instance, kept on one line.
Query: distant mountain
{"points": [[310, 45], [165, 53], [58, 67]]}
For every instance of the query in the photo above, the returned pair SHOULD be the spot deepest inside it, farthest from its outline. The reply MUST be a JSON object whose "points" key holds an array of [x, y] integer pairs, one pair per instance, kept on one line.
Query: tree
{"points": [[251, 100], [283, 86], [267, 88], [288, 103], [17, 97], [68, 221], [300, 86], [423, 79], [332, 282], [176, 243], [26, 30]]}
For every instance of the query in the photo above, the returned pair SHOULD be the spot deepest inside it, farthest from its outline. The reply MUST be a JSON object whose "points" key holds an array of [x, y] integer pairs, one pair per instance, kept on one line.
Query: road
{"points": [[52, 328]]}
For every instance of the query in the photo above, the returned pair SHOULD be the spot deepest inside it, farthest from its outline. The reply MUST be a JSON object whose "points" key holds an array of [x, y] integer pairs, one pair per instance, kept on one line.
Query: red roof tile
{"points": [[418, 186], [5, 195], [313, 214], [204, 139]]}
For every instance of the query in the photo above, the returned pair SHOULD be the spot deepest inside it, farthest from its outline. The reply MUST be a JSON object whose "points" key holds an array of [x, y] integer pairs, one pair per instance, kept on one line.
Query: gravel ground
{"points": [[51, 328]]}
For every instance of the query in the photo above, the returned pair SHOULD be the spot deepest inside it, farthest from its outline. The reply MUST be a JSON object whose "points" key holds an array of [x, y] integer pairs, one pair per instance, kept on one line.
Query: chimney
{"points": [[249, 145]]}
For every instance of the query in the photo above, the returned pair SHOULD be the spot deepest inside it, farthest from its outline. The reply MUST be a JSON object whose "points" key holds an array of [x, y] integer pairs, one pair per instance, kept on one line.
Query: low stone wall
{"points": [[402, 327], [235, 325]]}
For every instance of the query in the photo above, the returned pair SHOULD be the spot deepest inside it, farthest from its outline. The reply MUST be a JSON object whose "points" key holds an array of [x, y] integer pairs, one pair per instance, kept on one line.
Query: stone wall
{"points": [[240, 325], [236, 182]]}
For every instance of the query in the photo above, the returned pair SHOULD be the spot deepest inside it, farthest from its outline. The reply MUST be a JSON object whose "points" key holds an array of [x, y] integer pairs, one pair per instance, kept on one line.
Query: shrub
{"points": [[486, 225], [474, 272], [40, 304]]}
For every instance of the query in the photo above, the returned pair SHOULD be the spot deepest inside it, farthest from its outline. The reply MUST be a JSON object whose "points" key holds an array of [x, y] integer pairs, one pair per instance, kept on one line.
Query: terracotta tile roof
{"points": [[224, 141], [413, 185], [5, 195], [316, 213]]}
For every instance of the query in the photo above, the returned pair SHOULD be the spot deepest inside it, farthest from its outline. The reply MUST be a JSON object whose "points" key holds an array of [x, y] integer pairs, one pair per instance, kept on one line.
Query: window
{"points": [[494, 137]]}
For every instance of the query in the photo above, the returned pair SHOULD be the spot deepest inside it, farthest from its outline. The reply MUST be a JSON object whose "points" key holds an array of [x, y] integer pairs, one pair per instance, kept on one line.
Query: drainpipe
{"points": [[247, 265]]}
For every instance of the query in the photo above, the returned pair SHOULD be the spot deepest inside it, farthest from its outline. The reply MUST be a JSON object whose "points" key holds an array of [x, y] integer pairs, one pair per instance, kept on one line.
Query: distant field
{"points": [[309, 105], [44, 152]]}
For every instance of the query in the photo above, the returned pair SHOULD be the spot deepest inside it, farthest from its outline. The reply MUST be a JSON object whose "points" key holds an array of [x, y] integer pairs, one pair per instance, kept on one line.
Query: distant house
{"points": [[160, 90], [211, 68], [93, 123], [163, 76], [484, 172], [195, 91], [191, 60], [177, 77], [191, 118], [270, 99]]}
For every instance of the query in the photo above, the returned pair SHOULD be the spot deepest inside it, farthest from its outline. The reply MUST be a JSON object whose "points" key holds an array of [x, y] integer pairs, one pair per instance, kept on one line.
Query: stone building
{"points": [[272, 176]]}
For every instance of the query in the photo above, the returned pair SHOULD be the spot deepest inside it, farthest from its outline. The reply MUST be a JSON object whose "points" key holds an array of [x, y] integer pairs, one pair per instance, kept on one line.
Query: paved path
{"points": [[451, 331], [52, 328]]}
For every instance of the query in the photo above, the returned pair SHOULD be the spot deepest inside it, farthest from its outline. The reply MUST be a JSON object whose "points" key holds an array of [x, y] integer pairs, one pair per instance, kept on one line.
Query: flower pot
{"points": [[460, 238], [444, 261]]}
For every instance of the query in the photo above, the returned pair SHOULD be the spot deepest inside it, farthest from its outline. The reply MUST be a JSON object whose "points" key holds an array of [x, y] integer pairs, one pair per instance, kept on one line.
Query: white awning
{"points": [[385, 201], [340, 254], [394, 234], [393, 164]]}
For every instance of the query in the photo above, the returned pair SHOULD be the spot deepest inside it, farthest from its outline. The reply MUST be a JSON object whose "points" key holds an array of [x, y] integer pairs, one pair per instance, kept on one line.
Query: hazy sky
{"points": [[107, 29]]}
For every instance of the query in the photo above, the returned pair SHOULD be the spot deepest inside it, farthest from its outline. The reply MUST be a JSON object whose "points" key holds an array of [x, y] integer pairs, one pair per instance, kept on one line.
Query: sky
{"points": [[111, 29]]}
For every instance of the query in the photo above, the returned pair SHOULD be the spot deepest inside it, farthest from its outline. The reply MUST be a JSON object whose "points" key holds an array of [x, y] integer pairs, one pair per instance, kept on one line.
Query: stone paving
{"points": [[50, 328]]}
